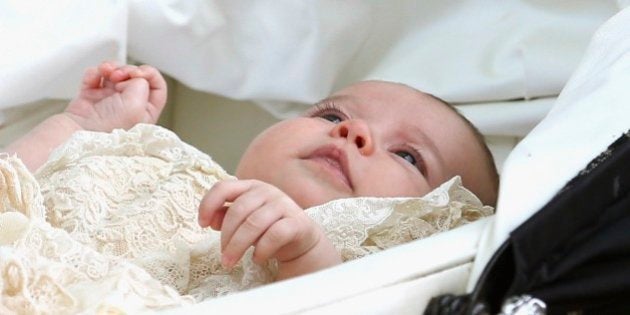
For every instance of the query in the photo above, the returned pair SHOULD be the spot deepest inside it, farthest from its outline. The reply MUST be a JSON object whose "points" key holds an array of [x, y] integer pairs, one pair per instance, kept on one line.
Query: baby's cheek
{"points": [[403, 184], [395, 182]]}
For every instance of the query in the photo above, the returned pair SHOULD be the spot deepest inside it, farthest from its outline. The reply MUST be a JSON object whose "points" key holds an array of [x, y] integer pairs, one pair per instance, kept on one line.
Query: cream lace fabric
{"points": [[109, 224]]}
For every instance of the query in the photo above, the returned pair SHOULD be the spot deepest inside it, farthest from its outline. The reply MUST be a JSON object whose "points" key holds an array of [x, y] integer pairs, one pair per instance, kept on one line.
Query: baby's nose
{"points": [[357, 132]]}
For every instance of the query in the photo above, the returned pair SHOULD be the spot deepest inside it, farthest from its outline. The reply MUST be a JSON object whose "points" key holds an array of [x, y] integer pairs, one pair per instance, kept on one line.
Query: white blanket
{"points": [[284, 54]]}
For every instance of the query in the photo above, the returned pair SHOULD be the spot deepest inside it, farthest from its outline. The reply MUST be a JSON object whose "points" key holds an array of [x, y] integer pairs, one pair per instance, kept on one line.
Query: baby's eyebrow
{"points": [[339, 98]]}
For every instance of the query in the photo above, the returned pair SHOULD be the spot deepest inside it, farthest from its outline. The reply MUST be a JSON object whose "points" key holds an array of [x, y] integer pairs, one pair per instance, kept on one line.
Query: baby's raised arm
{"points": [[111, 97]]}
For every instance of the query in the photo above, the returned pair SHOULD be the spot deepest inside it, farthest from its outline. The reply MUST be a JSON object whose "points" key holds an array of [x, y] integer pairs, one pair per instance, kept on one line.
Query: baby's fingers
{"points": [[247, 234], [215, 199], [106, 68], [158, 87], [277, 236], [122, 73], [216, 222], [242, 209], [155, 78], [91, 79]]}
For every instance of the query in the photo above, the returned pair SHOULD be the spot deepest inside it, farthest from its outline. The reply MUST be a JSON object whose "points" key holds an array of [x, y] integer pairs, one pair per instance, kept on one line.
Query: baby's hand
{"points": [[263, 216], [118, 97]]}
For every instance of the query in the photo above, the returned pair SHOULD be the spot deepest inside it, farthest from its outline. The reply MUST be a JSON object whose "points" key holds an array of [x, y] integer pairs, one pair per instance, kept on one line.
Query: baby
{"points": [[369, 139]]}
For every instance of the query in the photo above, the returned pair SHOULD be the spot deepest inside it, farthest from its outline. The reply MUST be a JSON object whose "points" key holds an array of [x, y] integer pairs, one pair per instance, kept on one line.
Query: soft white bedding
{"points": [[282, 52]]}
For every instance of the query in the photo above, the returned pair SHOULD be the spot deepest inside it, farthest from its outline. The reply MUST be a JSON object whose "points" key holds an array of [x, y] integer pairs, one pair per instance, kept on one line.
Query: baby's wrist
{"points": [[321, 256], [72, 120], [66, 121]]}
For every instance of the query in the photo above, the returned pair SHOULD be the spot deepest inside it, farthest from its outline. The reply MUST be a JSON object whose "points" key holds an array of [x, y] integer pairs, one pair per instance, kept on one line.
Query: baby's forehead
{"points": [[371, 86], [395, 97]]}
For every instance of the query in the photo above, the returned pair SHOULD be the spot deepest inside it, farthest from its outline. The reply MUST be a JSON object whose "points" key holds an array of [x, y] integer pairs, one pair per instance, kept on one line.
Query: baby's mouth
{"points": [[334, 161]]}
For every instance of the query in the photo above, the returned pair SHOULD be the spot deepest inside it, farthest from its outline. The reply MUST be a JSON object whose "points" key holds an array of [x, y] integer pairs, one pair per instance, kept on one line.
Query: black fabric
{"points": [[574, 253]]}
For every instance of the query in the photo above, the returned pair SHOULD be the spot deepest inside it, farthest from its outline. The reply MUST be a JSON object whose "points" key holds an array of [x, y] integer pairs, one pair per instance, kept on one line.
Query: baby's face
{"points": [[370, 139]]}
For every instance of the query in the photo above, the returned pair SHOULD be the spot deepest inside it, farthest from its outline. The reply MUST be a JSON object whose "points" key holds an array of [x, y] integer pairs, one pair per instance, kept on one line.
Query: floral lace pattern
{"points": [[115, 215]]}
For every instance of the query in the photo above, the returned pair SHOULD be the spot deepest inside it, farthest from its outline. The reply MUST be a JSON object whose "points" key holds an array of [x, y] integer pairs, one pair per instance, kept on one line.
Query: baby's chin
{"points": [[310, 201], [310, 196]]}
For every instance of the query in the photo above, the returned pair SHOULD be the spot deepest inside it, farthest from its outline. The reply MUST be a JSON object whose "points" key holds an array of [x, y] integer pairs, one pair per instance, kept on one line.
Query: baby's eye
{"points": [[328, 111], [333, 118], [413, 157], [407, 156]]}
